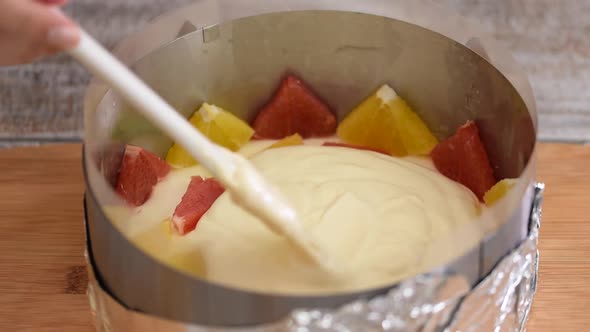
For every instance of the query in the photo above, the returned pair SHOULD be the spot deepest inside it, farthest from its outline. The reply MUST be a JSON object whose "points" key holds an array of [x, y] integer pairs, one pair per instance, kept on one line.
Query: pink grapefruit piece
{"points": [[139, 173], [464, 159], [196, 201], [294, 109]]}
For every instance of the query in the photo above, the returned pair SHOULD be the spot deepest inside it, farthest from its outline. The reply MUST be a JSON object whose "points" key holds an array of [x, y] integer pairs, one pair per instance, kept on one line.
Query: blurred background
{"points": [[42, 102]]}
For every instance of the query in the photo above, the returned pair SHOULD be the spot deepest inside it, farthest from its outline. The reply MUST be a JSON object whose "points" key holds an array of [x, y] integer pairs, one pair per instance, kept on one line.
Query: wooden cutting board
{"points": [[43, 280]]}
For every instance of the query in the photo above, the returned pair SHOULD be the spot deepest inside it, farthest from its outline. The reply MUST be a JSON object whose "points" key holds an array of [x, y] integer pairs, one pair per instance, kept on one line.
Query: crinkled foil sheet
{"points": [[428, 303]]}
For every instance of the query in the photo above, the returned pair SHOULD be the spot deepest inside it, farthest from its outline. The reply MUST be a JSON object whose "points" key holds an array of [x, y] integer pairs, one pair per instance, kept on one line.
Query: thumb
{"points": [[54, 2], [30, 29], [62, 33]]}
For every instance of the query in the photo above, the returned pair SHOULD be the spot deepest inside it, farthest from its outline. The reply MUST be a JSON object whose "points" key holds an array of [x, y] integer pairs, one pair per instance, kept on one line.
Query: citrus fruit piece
{"points": [[165, 228], [417, 138], [140, 171], [294, 109], [178, 157], [463, 158], [385, 122], [292, 140], [498, 191], [196, 201], [354, 146], [220, 126]]}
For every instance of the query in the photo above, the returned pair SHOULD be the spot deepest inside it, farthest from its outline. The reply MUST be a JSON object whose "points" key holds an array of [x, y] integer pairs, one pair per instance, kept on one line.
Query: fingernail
{"points": [[63, 37], [57, 11]]}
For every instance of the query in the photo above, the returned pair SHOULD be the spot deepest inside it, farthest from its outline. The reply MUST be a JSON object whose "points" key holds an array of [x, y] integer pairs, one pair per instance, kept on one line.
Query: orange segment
{"points": [[372, 124], [178, 157], [219, 126], [498, 191], [292, 140], [384, 121], [417, 138]]}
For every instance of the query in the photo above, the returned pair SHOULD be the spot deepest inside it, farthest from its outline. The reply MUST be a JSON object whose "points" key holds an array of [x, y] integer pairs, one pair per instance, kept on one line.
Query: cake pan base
{"points": [[432, 302]]}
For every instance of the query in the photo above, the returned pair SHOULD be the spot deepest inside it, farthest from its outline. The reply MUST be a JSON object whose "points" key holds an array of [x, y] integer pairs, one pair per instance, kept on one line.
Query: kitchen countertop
{"points": [[42, 102], [43, 279]]}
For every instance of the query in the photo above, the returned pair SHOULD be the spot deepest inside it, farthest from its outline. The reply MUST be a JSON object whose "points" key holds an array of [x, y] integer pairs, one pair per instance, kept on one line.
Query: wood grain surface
{"points": [[42, 102], [43, 282], [42, 240]]}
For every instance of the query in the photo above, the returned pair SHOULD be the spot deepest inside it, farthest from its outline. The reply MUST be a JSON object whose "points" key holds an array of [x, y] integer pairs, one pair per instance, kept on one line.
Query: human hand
{"points": [[31, 29]]}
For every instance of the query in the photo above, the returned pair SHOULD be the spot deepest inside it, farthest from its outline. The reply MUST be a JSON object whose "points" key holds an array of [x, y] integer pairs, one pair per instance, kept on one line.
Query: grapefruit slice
{"points": [[385, 122], [196, 201], [139, 173], [294, 109], [354, 146], [498, 191], [463, 158], [219, 126]]}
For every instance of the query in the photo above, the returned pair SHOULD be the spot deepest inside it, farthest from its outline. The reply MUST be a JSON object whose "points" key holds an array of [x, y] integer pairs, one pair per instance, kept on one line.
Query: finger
{"points": [[43, 28], [57, 31], [63, 37], [53, 2]]}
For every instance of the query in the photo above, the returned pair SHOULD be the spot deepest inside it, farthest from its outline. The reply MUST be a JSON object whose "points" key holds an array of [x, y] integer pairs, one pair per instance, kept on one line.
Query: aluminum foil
{"points": [[501, 302], [428, 303]]}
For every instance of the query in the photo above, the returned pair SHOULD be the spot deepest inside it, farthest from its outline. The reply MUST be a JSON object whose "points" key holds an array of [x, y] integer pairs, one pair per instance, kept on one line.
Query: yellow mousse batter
{"points": [[377, 217]]}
